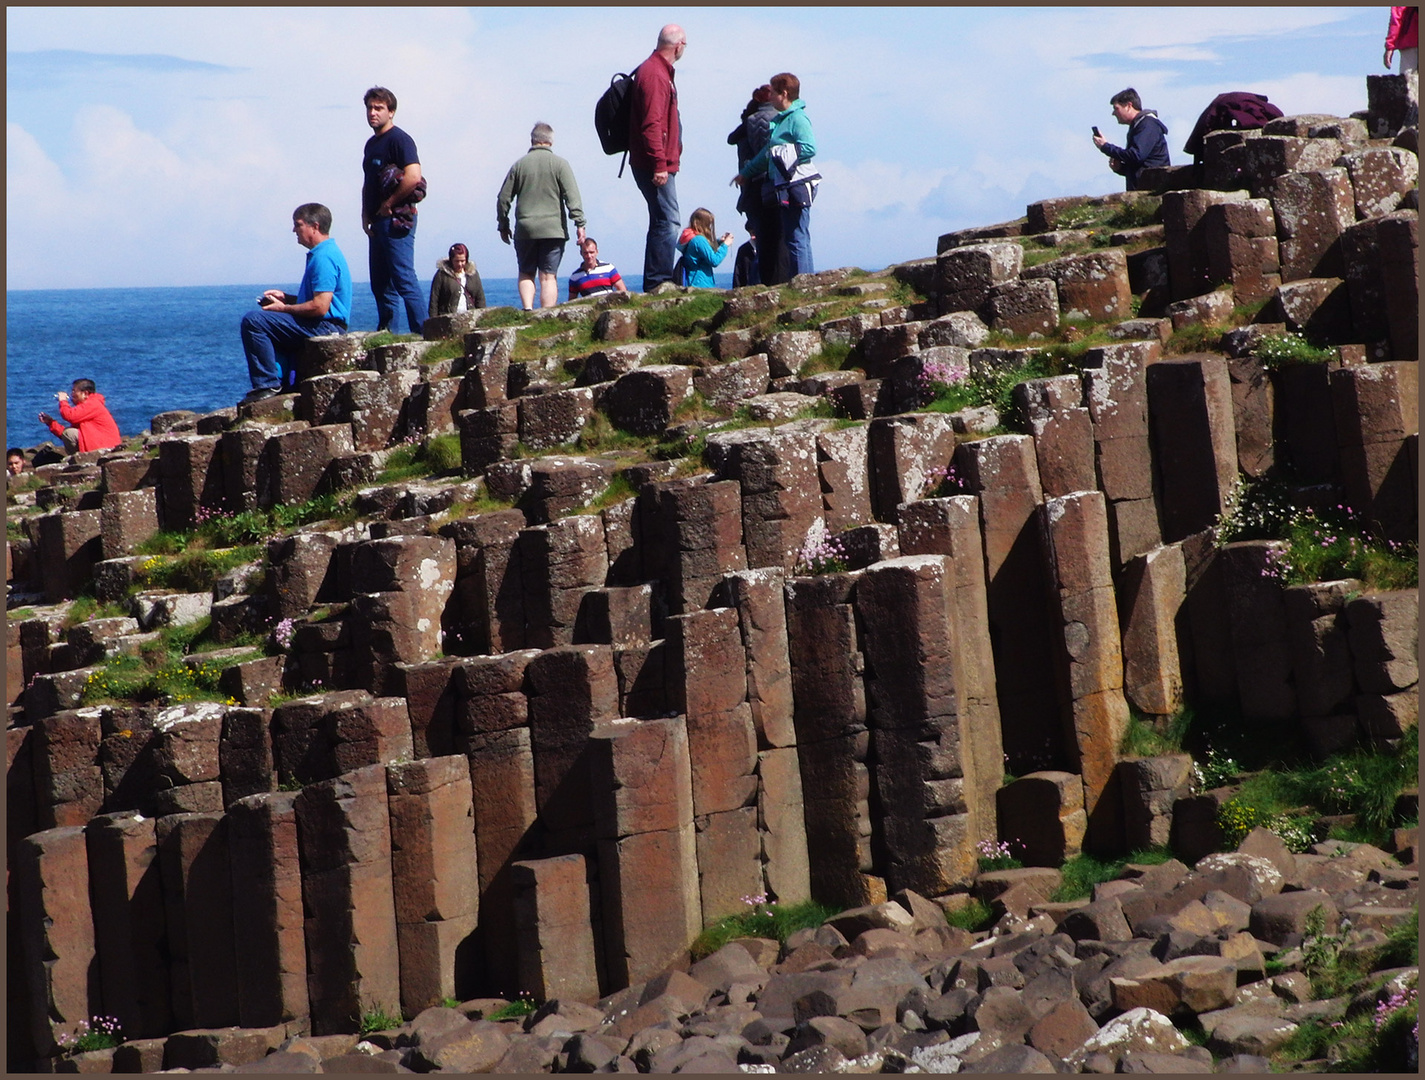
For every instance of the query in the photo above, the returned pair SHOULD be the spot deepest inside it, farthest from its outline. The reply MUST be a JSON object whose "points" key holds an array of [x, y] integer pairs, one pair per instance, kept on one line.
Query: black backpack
{"points": [[613, 113]]}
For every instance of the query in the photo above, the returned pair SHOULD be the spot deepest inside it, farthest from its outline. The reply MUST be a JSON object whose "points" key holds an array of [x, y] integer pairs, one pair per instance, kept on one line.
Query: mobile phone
{"points": [[1097, 132], [264, 300]]}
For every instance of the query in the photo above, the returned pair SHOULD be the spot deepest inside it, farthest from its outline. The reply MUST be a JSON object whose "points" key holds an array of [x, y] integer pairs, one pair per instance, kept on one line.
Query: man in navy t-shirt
{"points": [[392, 171], [272, 334]]}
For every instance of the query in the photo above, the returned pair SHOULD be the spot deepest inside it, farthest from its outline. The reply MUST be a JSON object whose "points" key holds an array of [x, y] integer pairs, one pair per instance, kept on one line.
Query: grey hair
{"points": [[541, 133]]}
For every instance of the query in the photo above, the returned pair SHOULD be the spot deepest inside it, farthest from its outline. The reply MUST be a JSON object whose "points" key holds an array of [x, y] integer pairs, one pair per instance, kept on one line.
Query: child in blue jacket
{"points": [[703, 252]]}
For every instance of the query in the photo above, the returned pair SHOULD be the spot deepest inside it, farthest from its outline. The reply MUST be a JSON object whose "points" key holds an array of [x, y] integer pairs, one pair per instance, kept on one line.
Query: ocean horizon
{"points": [[152, 349]]}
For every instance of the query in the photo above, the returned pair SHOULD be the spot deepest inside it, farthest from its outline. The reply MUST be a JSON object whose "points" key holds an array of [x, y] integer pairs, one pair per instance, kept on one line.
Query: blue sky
{"points": [[168, 146]]}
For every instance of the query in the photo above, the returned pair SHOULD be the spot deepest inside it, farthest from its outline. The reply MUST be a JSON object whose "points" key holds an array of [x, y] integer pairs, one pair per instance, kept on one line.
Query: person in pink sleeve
{"points": [[87, 423], [1403, 36]]}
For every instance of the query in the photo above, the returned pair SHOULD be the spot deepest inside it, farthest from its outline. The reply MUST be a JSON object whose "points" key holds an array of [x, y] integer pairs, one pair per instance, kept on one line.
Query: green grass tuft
{"points": [[522, 1006], [1083, 872], [1277, 351], [777, 921], [494, 318], [197, 569], [830, 357], [687, 319], [378, 1019], [694, 353], [1146, 737], [442, 452], [448, 349], [974, 916], [1324, 544]]}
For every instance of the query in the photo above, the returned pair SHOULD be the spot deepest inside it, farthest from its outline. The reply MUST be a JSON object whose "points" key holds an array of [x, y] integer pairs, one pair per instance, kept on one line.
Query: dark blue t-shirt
{"points": [[393, 147]]}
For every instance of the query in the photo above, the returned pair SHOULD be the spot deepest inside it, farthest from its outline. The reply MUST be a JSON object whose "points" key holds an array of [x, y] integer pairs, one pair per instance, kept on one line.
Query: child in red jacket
{"points": [[90, 427]]}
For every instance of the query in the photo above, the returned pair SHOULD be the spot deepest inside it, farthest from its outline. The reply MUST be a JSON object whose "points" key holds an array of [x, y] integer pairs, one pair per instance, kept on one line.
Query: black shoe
{"points": [[262, 393]]}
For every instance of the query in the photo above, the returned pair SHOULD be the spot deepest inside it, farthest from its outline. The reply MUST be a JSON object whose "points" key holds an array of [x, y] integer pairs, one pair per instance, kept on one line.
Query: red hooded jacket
{"points": [[97, 430], [1404, 32]]}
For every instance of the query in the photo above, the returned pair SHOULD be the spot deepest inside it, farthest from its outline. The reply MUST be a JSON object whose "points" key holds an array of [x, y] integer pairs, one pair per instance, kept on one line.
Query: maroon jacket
{"points": [[655, 142]]}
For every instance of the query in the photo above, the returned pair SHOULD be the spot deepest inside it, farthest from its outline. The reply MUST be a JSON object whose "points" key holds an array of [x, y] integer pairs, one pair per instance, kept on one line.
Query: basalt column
{"points": [[56, 934], [572, 688], [781, 809], [1089, 657], [561, 563], [554, 931], [352, 954], [1194, 441], [708, 669], [267, 909], [1004, 473], [951, 527], [648, 867], [690, 534], [197, 879], [486, 612], [493, 731], [433, 871], [832, 741], [1116, 395], [921, 751], [781, 489], [126, 886]]}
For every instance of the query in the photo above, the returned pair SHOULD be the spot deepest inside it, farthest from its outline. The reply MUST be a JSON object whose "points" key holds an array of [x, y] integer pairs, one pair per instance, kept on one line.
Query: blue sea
{"points": [[148, 350]]}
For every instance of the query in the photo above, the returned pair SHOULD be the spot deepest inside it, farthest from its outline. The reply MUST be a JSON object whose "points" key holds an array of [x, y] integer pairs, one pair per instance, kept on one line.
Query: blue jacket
{"points": [[791, 126], [699, 258], [1147, 147]]}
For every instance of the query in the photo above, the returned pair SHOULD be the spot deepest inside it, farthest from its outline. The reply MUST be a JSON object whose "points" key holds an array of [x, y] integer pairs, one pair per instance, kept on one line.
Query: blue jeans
{"points": [[796, 231], [662, 247], [271, 340], [393, 277]]}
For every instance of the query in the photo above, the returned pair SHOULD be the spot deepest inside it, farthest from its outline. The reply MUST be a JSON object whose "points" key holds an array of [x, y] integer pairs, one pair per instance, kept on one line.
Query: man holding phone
{"points": [[271, 336], [1147, 138]]}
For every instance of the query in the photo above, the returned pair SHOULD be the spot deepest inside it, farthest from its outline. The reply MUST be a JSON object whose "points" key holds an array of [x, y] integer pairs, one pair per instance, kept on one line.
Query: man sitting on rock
{"points": [[1147, 138], [88, 424], [272, 335]]}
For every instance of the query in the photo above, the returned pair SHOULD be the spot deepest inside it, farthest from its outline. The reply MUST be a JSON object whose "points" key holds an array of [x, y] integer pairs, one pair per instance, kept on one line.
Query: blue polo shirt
{"points": [[327, 272]]}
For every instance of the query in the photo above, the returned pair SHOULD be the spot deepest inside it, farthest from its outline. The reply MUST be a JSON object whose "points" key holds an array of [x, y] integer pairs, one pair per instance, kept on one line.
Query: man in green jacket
{"points": [[541, 186]]}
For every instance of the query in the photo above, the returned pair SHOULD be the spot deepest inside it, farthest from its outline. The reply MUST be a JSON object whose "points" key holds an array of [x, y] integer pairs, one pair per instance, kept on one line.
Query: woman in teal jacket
{"points": [[791, 128], [703, 253]]}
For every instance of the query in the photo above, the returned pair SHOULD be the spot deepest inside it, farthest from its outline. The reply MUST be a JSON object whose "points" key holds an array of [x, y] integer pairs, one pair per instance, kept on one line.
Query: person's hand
{"points": [[1389, 56], [736, 181], [579, 235], [1099, 140], [62, 396], [660, 178], [273, 299], [46, 419], [727, 238], [384, 210], [505, 235]]}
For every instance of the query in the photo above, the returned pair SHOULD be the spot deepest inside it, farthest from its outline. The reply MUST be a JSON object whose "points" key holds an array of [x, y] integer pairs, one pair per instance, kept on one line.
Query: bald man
{"points": [[655, 145]]}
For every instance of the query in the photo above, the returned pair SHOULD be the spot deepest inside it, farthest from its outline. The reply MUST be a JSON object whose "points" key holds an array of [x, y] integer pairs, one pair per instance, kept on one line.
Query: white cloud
{"points": [[927, 119], [1173, 52]]}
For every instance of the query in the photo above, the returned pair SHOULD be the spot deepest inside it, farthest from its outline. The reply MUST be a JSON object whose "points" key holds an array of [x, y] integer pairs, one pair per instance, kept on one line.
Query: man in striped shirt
{"points": [[594, 278]]}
